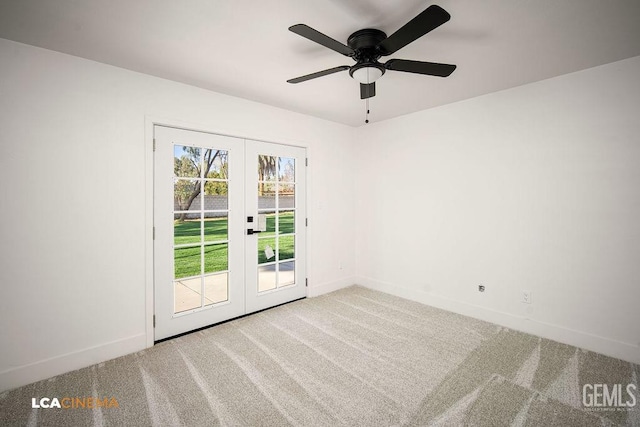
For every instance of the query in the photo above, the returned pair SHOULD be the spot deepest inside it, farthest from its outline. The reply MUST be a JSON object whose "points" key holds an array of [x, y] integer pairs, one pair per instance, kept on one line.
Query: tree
{"points": [[286, 169], [217, 187], [266, 170], [189, 166]]}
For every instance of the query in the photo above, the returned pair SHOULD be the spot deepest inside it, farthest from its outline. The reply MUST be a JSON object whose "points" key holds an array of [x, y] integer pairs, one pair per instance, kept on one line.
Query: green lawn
{"points": [[189, 231], [187, 260], [285, 247]]}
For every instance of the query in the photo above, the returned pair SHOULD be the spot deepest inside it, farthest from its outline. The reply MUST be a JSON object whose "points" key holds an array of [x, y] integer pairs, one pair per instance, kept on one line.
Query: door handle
{"points": [[251, 231]]}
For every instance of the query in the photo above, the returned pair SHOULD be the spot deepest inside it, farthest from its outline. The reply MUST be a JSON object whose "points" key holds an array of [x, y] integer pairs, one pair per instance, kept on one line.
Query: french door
{"points": [[229, 228]]}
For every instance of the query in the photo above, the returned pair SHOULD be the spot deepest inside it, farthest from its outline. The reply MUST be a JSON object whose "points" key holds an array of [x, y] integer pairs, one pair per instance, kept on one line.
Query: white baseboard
{"points": [[598, 344], [27, 374], [37, 371], [47, 368], [325, 288]]}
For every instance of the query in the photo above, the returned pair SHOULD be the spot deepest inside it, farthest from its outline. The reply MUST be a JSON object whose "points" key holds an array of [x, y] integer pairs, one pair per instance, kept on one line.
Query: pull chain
{"points": [[366, 117]]}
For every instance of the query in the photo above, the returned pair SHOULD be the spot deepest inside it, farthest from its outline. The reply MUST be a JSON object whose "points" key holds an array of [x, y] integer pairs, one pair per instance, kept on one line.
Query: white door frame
{"points": [[150, 122]]}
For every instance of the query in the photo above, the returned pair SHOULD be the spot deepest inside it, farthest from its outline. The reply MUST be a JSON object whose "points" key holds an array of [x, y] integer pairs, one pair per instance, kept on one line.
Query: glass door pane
{"points": [[201, 212], [276, 200]]}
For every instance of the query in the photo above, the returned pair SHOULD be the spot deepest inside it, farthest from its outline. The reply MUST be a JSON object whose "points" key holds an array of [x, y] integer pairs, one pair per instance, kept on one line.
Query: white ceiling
{"points": [[243, 47]]}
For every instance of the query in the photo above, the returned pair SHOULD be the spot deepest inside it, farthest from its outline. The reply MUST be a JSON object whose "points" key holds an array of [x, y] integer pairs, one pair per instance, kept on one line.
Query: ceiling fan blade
{"points": [[316, 36], [367, 90], [318, 74], [430, 19], [419, 67]]}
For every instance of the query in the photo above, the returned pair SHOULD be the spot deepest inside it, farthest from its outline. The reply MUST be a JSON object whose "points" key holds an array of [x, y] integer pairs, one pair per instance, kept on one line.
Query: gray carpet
{"points": [[355, 357]]}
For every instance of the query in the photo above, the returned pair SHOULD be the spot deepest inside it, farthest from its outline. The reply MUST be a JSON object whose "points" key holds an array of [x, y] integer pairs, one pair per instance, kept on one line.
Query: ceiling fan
{"points": [[368, 45]]}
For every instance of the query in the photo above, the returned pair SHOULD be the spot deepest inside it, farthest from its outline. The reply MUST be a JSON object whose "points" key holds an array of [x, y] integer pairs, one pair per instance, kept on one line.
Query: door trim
{"points": [[153, 120]]}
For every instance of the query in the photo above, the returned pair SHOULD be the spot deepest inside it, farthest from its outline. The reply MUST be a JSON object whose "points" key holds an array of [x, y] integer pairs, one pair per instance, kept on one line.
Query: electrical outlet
{"points": [[526, 297], [481, 288]]}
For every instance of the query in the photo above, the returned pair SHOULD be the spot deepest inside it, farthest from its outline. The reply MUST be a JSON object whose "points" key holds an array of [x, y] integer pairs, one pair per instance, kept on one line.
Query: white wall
{"points": [[534, 188], [72, 134]]}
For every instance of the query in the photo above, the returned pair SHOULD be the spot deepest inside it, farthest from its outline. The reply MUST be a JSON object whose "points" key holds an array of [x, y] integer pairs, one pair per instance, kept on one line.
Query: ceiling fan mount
{"points": [[366, 40], [368, 45]]}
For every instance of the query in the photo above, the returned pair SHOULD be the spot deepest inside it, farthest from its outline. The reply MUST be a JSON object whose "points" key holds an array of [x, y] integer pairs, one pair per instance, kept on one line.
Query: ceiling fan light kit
{"points": [[367, 46], [366, 73]]}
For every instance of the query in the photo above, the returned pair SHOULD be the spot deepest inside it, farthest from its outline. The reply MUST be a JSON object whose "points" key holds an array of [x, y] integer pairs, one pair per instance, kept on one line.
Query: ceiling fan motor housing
{"points": [[366, 52], [368, 38]]}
